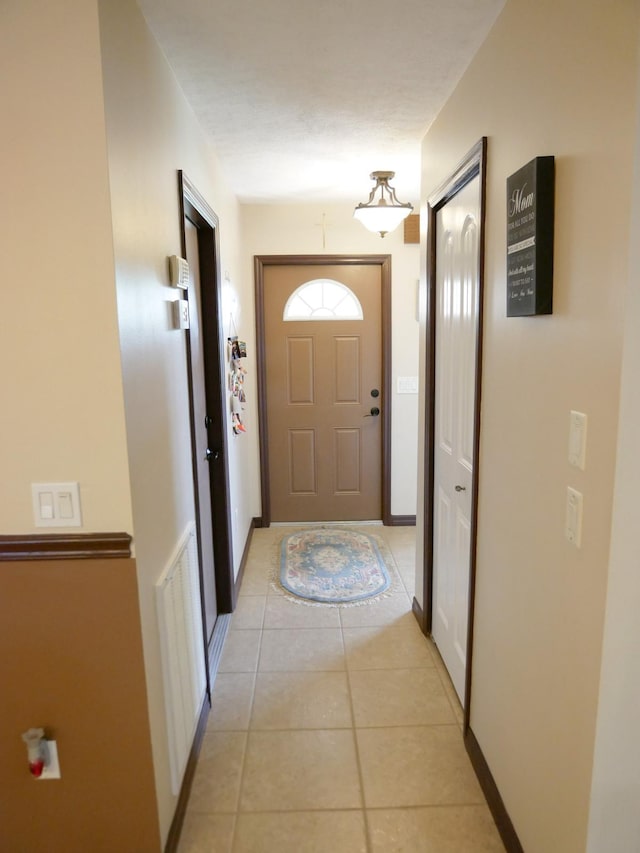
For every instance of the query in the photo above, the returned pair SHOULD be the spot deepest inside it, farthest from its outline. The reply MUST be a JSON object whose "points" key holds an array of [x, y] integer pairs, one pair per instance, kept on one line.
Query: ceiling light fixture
{"points": [[382, 213]]}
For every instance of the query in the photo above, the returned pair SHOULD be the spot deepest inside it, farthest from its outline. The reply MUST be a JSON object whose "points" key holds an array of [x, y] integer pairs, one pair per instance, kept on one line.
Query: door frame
{"points": [[474, 164], [194, 206], [384, 262]]}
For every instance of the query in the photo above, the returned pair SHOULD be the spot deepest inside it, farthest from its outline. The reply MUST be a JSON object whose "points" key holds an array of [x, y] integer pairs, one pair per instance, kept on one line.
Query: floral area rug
{"points": [[332, 566]]}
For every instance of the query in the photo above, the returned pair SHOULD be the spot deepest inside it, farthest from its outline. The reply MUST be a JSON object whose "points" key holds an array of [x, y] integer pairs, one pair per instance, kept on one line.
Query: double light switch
{"points": [[56, 504]]}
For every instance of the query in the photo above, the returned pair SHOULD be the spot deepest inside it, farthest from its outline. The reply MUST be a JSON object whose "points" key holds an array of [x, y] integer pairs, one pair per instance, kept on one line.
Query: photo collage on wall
{"points": [[237, 350]]}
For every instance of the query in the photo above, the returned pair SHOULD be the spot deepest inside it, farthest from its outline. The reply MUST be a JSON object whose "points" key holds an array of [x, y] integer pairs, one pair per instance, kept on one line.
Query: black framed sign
{"points": [[530, 206]]}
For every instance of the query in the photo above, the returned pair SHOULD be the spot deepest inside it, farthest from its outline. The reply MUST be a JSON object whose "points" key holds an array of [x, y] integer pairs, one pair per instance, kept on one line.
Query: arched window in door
{"points": [[323, 299]]}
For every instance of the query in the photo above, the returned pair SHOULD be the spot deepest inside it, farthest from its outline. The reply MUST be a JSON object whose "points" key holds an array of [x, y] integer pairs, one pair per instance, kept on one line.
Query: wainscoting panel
{"points": [[184, 675]]}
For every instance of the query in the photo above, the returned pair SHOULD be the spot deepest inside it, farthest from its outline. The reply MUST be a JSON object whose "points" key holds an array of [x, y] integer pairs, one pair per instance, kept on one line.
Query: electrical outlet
{"points": [[51, 770]]}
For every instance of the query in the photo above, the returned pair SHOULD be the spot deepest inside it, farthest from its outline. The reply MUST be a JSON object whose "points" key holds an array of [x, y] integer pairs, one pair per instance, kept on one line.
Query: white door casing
{"points": [[457, 306]]}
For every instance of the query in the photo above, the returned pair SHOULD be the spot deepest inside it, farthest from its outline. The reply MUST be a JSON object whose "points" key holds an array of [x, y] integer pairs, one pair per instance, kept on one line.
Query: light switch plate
{"points": [[52, 769], [578, 440], [181, 314], [407, 385], [573, 521], [56, 504]]}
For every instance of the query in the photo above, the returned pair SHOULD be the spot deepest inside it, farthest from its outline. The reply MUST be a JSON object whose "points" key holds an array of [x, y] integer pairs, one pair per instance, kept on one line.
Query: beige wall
{"points": [[62, 406], [614, 820], [297, 229], [151, 134], [547, 81]]}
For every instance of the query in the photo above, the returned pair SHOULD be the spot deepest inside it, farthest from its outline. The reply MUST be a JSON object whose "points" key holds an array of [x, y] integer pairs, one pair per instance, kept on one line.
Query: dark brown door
{"points": [[323, 359], [200, 438]]}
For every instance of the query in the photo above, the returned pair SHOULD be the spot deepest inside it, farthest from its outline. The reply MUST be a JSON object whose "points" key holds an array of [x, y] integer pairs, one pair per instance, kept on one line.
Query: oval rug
{"points": [[334, 566]]}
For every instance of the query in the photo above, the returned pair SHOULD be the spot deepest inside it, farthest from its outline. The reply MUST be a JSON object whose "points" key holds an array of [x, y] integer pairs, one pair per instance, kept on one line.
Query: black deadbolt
{"points": [[375, 393]]}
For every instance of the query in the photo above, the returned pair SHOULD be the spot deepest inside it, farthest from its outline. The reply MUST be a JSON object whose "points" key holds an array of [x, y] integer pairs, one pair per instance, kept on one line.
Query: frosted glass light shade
{"points": [[382, 212], [382, 218]]}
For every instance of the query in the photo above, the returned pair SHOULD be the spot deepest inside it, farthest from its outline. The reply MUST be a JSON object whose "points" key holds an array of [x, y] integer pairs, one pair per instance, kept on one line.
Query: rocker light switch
{"points": [[45, 505], [65, 504]]}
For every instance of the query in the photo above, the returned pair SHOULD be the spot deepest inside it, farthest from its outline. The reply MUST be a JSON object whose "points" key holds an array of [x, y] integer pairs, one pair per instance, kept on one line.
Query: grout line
{"points": [[345, 728], [356, 809], [430, 667], [248, 736], [367, 829]]}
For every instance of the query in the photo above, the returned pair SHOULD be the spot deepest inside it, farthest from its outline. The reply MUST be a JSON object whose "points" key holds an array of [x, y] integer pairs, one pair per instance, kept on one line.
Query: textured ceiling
{"points": [[302, 100]]}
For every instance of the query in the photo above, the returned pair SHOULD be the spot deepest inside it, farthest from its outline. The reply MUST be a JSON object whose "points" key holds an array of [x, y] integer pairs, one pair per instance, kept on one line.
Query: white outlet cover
{"points": [[52, 769], [573, 521], [578, 440]]}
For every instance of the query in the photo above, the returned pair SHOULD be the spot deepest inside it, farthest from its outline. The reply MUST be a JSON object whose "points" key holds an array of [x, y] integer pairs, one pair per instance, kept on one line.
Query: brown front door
{"points": [[324, 391]]}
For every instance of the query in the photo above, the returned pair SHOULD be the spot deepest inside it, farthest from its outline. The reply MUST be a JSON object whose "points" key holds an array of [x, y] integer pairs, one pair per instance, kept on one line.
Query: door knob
{"points": [[211, 455], [375, 411], [461, 488]]}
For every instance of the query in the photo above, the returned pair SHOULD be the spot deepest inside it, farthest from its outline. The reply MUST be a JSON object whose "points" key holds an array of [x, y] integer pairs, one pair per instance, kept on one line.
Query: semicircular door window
{"points": [[323, 299]]}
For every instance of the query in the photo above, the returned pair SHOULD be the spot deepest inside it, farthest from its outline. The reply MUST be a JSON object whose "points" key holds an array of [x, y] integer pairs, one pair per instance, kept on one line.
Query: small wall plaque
{"points": [[412, 228], [530, 222]]}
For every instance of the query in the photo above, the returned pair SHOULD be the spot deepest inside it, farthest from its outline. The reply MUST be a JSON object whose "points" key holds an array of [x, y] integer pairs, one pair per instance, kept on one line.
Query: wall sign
{"points": [[530, 205]]}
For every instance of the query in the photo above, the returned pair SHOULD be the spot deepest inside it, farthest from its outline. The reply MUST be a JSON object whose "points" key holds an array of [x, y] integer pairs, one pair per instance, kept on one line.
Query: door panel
{"points": [[302, 462], [324, 447], [203, 487], [347, 455], [347, 370], [457, 289], [467, 337], [300, 372]]}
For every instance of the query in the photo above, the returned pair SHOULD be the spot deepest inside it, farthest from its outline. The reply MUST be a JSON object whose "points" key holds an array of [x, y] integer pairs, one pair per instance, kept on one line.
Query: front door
{"points": [[324, 390], [457, 305]]}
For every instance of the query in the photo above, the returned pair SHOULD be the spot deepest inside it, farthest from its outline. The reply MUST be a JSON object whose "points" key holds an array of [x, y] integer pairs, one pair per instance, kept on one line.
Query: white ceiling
{"points": [[302, 99]]}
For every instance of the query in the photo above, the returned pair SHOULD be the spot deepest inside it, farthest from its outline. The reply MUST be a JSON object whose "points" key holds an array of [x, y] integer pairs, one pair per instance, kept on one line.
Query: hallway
{"points": [[333, 729]]}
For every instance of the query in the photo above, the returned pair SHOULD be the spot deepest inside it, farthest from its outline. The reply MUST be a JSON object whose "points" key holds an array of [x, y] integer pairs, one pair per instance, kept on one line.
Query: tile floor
{"points": [[333, 730]]}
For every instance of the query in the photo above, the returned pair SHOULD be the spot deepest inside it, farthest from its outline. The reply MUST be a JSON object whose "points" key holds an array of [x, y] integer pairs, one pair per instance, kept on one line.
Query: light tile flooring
{"points": [[333, 730]]}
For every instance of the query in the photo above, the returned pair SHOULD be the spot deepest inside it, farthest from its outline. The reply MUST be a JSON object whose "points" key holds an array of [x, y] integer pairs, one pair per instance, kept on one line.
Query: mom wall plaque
{"points": [[530, 206]]}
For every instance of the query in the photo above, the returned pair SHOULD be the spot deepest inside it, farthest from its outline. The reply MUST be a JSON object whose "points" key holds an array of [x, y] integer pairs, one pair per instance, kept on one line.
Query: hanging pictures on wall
{"points": [[530, 226], [237, 350]]}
